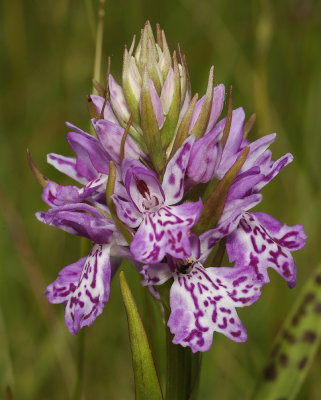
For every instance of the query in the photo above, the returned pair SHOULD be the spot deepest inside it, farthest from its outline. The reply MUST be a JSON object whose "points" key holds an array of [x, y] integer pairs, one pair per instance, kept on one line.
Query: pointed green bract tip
{"points": [[42, 179]]}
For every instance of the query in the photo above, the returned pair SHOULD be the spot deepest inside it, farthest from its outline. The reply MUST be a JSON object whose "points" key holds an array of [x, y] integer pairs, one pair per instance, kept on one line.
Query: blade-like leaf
{"points": [[146, 380], [294, 347]]}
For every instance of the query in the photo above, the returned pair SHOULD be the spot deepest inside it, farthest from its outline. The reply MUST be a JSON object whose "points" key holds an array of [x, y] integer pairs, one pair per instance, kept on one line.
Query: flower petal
{"points": [[64, 286], [262, 242], [157, 104], [166, 231], [110, 136], [204, 301], [59, 195], [118, 100], [155, 274], [232, 213], [205, 156], [66, 165], [87, 301], [91, 157], [217, 106], [127, 213], [98, 102], [142, 186], [80, 219], [270, 171], [173, 181]]}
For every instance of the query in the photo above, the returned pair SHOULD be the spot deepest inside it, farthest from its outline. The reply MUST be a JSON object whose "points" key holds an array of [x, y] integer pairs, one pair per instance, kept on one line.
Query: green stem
{"points": [[183, 371], [99, 41], [85, 247], [80, 365], [183, 367]]}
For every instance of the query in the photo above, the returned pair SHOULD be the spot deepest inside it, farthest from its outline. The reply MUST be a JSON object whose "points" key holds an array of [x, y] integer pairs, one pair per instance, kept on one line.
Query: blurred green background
{"points": [[270, 52]]}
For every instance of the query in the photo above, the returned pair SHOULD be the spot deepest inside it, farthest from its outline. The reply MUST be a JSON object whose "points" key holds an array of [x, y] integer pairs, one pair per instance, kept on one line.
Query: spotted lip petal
{"points": [[166, 231], [262, 242], [204, 301], [87, 301]]}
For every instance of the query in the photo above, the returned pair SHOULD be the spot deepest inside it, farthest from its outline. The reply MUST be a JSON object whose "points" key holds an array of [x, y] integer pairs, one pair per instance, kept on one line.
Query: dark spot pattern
{"points": [[284, 360], [317, 308], [318, 279], [309, 336], [302, 363], [270, 373], [289, 337]]}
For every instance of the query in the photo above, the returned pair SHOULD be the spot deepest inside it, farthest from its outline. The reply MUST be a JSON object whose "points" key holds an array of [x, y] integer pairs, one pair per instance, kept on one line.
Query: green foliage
{"points": [[146, 381], [295, 346]]}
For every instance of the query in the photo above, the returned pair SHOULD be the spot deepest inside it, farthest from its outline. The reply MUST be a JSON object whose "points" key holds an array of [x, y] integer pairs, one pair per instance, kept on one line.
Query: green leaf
{"points": [[146, 380], [295, 346]]}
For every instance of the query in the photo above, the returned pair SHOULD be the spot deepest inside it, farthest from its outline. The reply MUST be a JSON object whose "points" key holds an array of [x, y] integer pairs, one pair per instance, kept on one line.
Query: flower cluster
{"points": [[179, 186]]}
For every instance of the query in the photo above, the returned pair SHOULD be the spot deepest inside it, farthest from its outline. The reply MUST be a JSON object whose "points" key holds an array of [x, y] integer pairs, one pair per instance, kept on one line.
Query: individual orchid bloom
{"points": [[162, 227], [262, 242], [204, 300], [84, 286]]}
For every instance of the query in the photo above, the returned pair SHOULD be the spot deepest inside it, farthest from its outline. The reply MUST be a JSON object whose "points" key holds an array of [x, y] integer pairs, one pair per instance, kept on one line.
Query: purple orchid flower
{"points": [[203, 300], [163, 228]]}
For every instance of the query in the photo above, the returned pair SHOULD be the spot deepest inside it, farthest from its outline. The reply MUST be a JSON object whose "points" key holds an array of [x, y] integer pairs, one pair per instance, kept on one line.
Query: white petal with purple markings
{"points": [[204, 300], [64, 286]]}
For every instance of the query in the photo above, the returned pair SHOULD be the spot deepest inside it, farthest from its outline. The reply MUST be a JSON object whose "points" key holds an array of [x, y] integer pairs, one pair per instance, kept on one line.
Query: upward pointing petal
{"points": [[173, 181]]}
